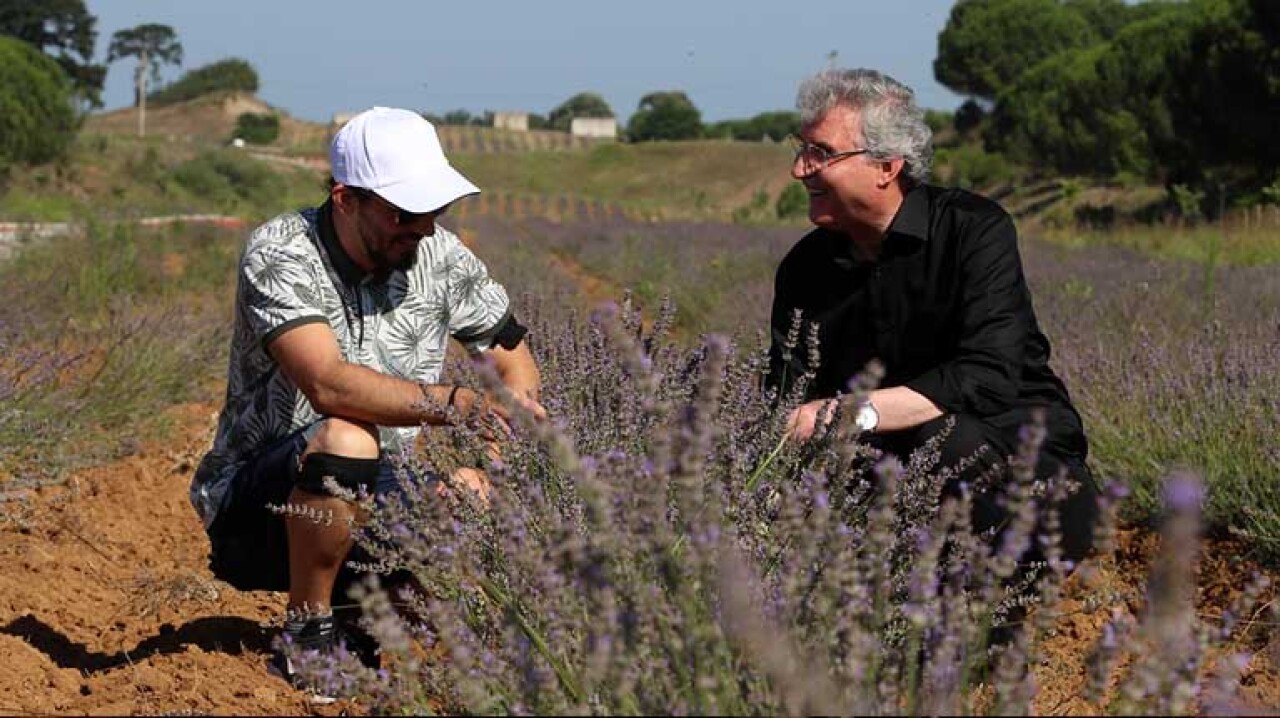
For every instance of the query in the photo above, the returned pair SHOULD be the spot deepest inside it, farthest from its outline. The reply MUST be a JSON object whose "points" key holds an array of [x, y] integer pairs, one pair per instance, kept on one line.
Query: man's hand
{"points": [[471, 479], [806, 419], [493, 419]]}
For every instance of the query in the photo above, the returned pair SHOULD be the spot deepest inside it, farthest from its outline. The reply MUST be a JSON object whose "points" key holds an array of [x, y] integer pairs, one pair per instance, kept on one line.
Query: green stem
{"points": [[496, 595], [755, 475]]}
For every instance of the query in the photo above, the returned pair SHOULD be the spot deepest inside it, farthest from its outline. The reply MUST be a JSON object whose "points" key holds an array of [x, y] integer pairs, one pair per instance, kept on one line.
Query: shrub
{"points": [[37, 114], [793, 202], [656, 549], [257, 128], [227, 179], [230, 75], [970, 166]]}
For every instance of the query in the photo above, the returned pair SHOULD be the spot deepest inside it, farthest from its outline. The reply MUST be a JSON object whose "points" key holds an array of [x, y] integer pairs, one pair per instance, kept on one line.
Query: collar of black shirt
{"points": [[912, 218]]}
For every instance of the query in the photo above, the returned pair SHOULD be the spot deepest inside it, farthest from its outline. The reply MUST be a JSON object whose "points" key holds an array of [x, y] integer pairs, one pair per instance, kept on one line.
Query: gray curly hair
{"points": [[892, 123]]}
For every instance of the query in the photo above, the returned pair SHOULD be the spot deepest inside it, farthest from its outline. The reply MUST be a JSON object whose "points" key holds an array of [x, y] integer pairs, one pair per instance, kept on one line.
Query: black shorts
{"points": [[248, 545]]}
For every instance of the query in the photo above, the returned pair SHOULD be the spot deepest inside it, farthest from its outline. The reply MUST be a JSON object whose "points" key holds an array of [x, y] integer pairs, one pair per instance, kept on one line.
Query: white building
{"points": [[516, 121], [600, 127]]}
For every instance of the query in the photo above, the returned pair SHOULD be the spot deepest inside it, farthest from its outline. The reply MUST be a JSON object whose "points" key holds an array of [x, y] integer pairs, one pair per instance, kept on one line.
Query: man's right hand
{"points": [[492, 418]]}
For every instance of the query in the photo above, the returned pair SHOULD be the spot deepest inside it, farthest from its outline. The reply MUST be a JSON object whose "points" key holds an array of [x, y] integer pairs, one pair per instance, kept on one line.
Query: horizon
{"points": [[549, 53]]}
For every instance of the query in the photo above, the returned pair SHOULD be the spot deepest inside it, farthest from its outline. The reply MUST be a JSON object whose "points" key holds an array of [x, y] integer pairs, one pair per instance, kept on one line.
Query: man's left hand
{"points": [[805, 420]]}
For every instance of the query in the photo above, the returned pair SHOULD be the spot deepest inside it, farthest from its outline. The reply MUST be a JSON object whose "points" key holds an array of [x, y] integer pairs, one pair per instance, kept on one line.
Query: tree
{"points": [[665, 116], [1185, 96], [230, 75], [987, 44], [63, 30], [583, 104], [37, 111], [153, 45], [775, 126]]}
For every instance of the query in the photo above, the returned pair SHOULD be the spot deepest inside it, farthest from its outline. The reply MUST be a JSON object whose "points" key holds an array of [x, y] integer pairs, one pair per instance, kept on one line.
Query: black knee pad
{"points": [[349, 473]]}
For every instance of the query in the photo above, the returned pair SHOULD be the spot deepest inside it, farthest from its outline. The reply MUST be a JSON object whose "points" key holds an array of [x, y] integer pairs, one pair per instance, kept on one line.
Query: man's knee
{"points": [[345, 437], [344, 451]]}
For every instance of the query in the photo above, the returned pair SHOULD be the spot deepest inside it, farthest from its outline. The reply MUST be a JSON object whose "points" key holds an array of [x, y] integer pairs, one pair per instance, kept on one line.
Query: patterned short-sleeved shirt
{"points": [[292, 272]]}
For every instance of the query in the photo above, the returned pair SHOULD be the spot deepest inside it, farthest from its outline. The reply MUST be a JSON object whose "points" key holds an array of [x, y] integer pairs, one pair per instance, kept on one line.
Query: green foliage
{"points": [[460, 118], [969, 117], [63, 30], [228, 179], [755, 210], [938, 120], [793, 202], [1065, 115], [665, 116], [1187, 200], [971, 167], [257, 128], [1182, 93], [1108, 17], [774, 126], [583, 104], [230, 75], [37, 116], [988, 44]]}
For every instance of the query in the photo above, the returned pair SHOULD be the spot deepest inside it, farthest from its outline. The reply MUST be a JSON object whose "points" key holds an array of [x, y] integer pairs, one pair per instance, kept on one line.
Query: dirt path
{"points": [[107, 607]]}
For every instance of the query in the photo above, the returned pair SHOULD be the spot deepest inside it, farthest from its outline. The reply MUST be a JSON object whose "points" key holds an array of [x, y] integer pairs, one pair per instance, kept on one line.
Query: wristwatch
{"points": [[867, 418]]}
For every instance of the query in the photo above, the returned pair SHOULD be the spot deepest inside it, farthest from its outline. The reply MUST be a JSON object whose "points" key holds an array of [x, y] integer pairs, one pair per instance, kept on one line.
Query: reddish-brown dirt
{"points": [[107, 607]]}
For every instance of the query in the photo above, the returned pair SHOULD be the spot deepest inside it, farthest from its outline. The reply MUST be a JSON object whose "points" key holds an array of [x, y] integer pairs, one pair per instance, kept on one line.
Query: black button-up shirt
{"points": [[946, 308]]}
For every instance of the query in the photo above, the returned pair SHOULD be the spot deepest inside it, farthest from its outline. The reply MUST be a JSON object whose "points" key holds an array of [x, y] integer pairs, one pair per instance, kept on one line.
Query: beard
{"points": [[379, 251]]}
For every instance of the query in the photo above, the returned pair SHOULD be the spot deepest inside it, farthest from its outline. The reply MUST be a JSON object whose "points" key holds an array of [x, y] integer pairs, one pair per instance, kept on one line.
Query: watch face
{"points": [[868, 418]]}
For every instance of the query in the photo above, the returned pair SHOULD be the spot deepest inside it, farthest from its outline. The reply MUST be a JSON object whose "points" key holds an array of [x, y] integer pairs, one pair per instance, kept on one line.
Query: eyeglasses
{"points": [[402, 216], [815, 158]]}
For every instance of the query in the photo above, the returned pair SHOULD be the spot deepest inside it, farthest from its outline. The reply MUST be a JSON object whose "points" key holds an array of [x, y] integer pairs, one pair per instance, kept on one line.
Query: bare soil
{"points": [[107, 607]]}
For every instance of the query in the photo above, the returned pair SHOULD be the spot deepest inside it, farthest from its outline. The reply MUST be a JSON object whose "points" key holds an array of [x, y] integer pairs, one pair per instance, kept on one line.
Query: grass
{"points": [[102, 331], [679, 179], [113, 176], [1209, 244]]}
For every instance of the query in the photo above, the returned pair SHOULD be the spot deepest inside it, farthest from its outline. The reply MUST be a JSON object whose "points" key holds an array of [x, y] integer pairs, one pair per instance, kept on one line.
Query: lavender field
{"points": [[656, 547], [1171, 364]]}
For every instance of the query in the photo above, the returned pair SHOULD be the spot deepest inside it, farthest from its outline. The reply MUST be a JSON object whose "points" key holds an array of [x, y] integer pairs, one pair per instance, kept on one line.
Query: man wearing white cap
{"points": [[343, 316]]}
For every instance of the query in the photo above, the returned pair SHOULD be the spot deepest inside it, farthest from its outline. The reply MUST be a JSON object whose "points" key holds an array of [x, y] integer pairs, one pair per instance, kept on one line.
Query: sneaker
{"points": [[311, 634]]}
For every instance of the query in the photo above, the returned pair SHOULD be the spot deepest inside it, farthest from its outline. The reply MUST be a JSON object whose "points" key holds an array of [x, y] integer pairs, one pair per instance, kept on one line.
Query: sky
{"points": [[734, 58]]}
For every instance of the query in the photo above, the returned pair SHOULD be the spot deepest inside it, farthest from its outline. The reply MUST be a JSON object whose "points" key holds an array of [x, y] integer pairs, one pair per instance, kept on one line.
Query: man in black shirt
{"points": [[929, 282]]}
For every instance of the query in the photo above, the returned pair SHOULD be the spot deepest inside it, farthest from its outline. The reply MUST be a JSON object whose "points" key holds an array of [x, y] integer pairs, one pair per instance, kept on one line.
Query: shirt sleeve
{"points": [[478, 305], [280, 291], [995, 315]]}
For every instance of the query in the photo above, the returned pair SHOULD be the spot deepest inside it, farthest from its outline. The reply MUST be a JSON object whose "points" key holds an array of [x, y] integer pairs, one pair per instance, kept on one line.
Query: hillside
{"points": [[185, 165], [205, 120]]}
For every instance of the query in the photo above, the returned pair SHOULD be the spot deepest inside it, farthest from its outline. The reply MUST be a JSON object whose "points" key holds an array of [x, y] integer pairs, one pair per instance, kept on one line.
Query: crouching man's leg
{"points": [[348, 453]]}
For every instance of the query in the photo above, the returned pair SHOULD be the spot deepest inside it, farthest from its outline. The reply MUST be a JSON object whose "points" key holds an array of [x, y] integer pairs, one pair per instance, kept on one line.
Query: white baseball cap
{"points": [[397, 154]]}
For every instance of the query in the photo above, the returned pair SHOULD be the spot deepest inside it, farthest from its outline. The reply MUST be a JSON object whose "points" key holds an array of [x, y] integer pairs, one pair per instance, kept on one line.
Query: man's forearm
{"points": [[902, 408], [358, 392]]}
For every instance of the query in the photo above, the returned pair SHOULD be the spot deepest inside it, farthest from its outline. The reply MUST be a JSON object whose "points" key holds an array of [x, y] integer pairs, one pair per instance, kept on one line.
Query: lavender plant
{"points": [[647, 551], [1166, 376], [93, 345]]}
